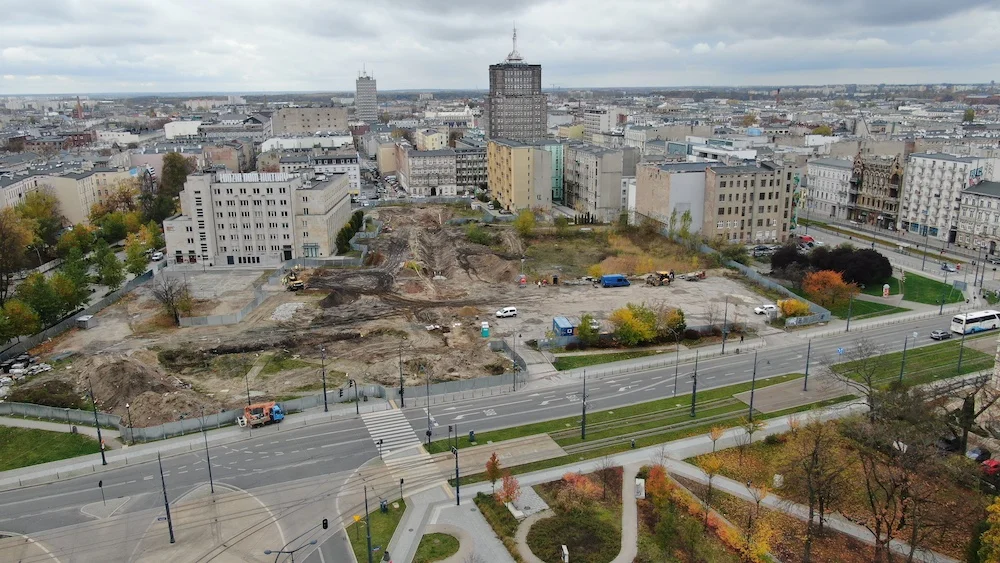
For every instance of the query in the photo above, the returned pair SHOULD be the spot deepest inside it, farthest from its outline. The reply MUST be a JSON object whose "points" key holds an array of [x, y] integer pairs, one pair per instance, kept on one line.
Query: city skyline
{"points": [[122, 47]]}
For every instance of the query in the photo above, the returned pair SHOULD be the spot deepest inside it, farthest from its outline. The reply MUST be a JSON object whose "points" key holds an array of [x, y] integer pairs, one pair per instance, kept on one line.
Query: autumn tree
{"points": [[745, 438], [42, 210], [989, 551], [79, 236], [749, 120], [562, 226], [793, 308], [174, 173], [587, 334], [22, 319], [865, 364], [816, 469], [634, 324], [714, 434], [136, 262], [15, 235], [525, 223], [757, 531], [493, 471], [656, 483], [174, 295], [711, 466], [110, 270], [510, 489], [36, 292], [827, 287]]}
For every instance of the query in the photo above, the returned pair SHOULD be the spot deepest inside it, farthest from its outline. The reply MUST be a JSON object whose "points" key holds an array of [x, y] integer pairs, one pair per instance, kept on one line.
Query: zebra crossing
{"points": [[392, 428]]}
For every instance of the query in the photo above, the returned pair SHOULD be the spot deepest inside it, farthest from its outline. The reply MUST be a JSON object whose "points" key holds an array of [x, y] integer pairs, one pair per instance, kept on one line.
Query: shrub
{"points": [[691, 334], [479, 235], [772, 440], [572, 346], [54, 393]]}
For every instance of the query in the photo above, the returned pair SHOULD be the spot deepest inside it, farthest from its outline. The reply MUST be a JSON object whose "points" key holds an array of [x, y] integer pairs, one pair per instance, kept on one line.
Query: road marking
{"points": [[490, 412], [730, 373], [710, 377], [534, 394], [310, 449], [182, 467], [295, 451], [658, 377], [327, 446], [279, 453], [450, 408], [460, 417], [200, 469], [130, 482], [240, 469], [264, 456], [182, 472], [276, 442], [354, 430]]}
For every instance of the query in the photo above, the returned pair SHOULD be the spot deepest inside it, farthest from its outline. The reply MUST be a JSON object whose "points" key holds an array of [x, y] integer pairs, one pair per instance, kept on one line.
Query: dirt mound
{"points": [[337, 298], [492, 268], [368, 282], [152, 408]]}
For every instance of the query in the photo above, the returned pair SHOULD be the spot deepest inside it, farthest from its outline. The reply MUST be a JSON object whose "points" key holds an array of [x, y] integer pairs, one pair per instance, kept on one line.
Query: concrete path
{"points": [[110, 436], [521, 538], [467, 518], [834, 521], [630, 516]]}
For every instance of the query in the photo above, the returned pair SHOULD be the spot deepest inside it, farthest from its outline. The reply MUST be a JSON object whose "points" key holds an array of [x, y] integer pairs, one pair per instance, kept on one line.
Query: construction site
{"points": [[414, 312]]}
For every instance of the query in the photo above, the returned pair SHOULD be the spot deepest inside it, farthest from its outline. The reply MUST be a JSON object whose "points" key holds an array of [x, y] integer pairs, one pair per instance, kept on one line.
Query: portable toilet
{"points": [[485, 329]]}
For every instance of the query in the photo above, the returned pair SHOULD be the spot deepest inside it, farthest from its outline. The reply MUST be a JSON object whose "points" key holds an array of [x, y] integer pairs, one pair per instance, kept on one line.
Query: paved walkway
{"points": [[110, 437], [834, 521]]}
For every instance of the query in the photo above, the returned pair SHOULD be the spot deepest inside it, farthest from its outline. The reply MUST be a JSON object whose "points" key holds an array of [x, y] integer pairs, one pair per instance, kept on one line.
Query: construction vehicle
{"points": [[659, 278], [296, 285], [259, 414], [693, 276]]}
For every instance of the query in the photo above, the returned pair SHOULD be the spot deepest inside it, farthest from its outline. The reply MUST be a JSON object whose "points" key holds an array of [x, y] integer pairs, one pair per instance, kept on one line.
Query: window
{"points": [[722, 211], [719, 224], [722, 197]]}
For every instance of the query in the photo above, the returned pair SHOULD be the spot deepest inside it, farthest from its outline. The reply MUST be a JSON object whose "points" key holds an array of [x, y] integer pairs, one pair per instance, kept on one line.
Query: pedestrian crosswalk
{"points": [[392, 428]]}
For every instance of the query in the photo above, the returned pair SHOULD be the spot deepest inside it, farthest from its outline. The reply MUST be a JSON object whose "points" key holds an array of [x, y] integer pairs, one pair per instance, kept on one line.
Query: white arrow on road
{"points": [[460, 417]]}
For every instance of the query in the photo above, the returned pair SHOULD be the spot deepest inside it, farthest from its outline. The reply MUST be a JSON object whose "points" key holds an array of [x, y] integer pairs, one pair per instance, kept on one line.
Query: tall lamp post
{"points": [[458, 482], [428, 409], [927, 231], [208, 459], [278, 552], [694, 385], [326, 407], [97, 422], [131, 430], [677, 357], [357, 403], [583, 420], [725, 325], [753, 384], [401, 402]]}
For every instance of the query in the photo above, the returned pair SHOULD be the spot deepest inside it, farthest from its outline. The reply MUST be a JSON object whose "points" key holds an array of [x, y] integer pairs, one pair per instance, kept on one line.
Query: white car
{"points": [[765, 309], [507, 312], [157, 256]]}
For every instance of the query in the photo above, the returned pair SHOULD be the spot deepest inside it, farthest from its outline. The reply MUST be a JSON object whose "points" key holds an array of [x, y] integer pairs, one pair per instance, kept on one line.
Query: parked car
{"points": [[940, 334], [765, 310], [506, 312], [991, 467], [978, 455], [946, 267], [157, 256], [993, 259]]}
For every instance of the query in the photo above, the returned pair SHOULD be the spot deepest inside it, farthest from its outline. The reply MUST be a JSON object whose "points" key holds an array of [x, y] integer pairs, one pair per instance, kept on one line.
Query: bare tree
{"points": [[712, 312], [174, 295], [607, 474], [745, 438], [816, 467], [864, 365], [976, 401]]}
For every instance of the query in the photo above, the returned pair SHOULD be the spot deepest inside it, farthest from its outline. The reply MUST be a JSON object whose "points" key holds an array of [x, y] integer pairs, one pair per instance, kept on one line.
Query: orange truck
{"points": [[259, 414]]}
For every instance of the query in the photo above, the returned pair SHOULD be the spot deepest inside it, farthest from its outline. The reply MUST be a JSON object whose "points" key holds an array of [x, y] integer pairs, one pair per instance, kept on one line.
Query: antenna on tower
{"points": [[514, 56]]}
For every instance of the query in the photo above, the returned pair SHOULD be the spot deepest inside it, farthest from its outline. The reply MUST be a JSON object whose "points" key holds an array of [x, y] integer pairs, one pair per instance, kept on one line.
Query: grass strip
{"points": [[383, 527], [21, 447], [573, 362]]}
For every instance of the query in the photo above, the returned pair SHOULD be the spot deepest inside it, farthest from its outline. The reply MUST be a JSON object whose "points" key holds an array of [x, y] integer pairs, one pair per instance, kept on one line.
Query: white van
{"points": [[507, 312]]}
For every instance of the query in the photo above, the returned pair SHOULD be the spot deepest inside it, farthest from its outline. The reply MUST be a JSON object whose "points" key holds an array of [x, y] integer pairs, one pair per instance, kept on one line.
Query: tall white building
{"points": [[365, 99], [257, 218], [827, 185], [932, 192]]}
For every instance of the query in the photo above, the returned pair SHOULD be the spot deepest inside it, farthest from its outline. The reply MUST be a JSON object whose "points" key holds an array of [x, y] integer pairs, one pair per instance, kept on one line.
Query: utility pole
{"points": [[326, 407], [583, 424], [677, 358], [428, 409], [753, 383], [961, 350], [927, 231], [850, 308], [208, 459], [725, 325], [368, 525], [166, 502], [513, 356], [694, 384], [401, 402], [805, 384], [941, 308], [97, 422], [131, 430], [458, 482], [357, 403], [902, 364]]}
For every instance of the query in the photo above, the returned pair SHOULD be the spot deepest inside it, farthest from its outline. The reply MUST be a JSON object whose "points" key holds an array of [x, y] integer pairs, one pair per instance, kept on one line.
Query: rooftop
{"points": [[991, 189], [943, 156], [687, 166], [835, 162], [439, 152]]}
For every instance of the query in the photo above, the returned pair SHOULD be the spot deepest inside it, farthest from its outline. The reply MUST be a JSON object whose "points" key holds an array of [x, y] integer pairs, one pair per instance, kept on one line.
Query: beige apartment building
{"points": [[430, 140], [748, 204], [665, 190], [257, 218], [308, 121], [427, 173], [79, 191], [593, 178], [519, 174]]}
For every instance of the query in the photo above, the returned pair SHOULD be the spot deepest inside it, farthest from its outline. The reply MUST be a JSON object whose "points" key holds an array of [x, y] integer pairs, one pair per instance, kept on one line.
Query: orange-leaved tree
{"points": [[793, 308], [510, 489], [493, 472], [828, 287], [657, 485]]}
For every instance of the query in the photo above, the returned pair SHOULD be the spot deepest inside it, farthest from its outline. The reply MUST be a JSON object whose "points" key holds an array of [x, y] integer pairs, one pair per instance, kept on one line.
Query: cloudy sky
{"points": [[67, 46]]}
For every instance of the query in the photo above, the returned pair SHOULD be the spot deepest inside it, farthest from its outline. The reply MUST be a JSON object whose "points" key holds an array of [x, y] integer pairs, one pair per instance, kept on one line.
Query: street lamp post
{"points": [[166, 502], [725, 325], [583, 420], [753, 383], [368, 526], [513, 359], [357, 403], [208, 459], [927, 231], [278, 552], [131, 430], [941, 306], [326, 407], [677, 357], [97, 422], [402, 403], [427, 382], [694, 384], [805, 384], [961, 350], [458, 482], [850, 309], [902, 364]]}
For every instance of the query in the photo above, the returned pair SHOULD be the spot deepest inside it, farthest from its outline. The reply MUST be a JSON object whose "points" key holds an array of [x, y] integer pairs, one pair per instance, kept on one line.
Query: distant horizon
{"points": [[351, 93]]}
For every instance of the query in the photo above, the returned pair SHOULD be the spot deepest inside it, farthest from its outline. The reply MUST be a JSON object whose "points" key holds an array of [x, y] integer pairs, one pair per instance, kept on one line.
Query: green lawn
{"points": [[875, 289], [280, 362], [668, 407], [435, 547], [573, 362], [383, 527], [592, 529], [21, 447], [859, 309], [925, 364], [928, 291]]}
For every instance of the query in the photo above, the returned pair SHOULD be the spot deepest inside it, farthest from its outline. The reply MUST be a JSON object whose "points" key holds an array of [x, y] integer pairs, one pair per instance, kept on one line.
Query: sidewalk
{"points": [[110, 437], [43, 473]]}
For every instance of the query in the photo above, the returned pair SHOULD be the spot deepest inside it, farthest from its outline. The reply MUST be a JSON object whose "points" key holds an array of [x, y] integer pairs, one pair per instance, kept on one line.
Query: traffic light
{"points": [[326, 524], [341, 392]]}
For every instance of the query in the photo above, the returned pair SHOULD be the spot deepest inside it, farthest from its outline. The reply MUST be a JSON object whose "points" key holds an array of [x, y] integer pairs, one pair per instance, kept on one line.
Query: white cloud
{"points": [[253, 45]]}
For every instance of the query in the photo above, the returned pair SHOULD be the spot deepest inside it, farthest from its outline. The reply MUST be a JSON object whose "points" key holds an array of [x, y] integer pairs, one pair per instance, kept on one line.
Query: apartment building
{"points": [[256, 218], [328, 162], [430, 140], [308, 120], [427, 173], [14, 187], [235, 156], [748, 204], [470, 163], [979, 218], [79, 191], [597, 121], [665, 191], [515, 107], [519, 174], [874, 189], [592, 178], [827, 185], [932, 192]]}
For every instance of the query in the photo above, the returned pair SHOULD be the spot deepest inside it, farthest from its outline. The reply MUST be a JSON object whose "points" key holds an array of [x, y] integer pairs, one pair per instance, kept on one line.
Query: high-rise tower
{"points": [[515, 106], [365, 99]]}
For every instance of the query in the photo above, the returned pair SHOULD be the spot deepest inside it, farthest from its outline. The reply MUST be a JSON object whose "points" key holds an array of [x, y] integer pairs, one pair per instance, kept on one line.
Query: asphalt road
{"points": [[544, 403], [271, 458]]}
